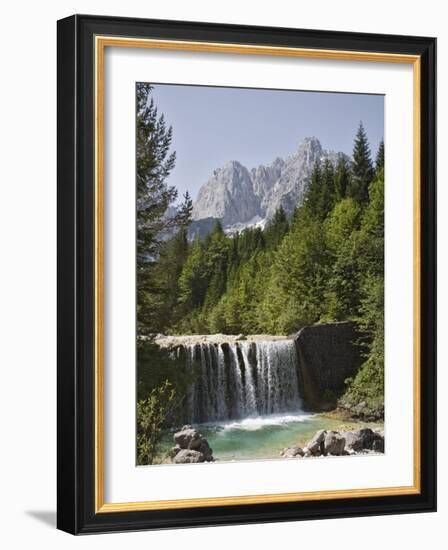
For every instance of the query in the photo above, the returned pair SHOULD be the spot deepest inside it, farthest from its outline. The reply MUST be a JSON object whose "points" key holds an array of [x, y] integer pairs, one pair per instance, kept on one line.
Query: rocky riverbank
{"points": [[339, 443], [361, 411], [192, 447]]}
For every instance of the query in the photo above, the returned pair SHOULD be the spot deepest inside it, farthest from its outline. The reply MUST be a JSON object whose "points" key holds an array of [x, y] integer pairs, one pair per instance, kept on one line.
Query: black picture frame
{"points": [[76, 256]]}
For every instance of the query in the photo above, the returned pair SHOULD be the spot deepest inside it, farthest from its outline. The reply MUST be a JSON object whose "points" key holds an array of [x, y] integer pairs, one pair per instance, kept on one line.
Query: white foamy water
{"points": [[243, 380], [260, 422]]}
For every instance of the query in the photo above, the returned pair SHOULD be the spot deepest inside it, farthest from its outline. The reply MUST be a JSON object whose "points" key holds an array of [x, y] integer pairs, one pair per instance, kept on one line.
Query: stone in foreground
{"points": [[334, 444], [316, 446], [188, 438], [292, 452], [190, 447], [188, 456]]}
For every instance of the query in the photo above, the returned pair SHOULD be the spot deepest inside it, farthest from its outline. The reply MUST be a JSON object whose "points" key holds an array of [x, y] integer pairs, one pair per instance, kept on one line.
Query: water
{"points": [[262, 437], [238, 380], [246, 399]]}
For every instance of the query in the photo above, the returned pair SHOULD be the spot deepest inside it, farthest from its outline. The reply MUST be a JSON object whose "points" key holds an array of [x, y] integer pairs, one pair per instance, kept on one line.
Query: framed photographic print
{"points": [[246, 274]]}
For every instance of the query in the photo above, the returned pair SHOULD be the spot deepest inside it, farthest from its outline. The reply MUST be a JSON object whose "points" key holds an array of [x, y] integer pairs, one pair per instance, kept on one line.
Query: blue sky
{"points": [[214, 125]]}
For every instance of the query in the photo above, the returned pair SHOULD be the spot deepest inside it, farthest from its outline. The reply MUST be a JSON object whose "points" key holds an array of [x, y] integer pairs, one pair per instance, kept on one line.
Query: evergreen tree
{"points": [[216, 262], [276, 229], [341, 178], [327, 190], [362, 168], [312, 199], [154, 196], [379, 162]]}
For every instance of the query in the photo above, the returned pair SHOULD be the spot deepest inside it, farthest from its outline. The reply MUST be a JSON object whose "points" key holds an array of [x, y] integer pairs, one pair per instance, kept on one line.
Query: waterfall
{"points": [[242, 379]]}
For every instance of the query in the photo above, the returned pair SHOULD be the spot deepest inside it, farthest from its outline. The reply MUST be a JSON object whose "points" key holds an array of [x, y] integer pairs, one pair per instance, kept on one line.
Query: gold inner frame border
{"points": [[100, 44]]}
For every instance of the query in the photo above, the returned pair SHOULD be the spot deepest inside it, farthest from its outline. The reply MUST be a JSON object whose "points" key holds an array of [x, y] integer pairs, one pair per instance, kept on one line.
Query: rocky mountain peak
{"points": [[228, 195], [239, 197]]}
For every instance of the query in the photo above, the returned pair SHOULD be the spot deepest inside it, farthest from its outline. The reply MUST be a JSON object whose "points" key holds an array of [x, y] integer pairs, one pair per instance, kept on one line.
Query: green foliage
{"points": [[162, 386], [341, 228], [362, 169], [341, 178], [152, 414], [297, 277], [379, 162], [368, 384], [276, 229], [154, 196]]}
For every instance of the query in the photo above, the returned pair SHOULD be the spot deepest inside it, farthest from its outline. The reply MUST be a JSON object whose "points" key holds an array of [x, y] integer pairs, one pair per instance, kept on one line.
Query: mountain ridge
{"points": [[239, 197]]}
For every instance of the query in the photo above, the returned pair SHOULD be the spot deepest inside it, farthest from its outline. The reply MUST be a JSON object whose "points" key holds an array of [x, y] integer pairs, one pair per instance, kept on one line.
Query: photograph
{"points": [[259, 274]]}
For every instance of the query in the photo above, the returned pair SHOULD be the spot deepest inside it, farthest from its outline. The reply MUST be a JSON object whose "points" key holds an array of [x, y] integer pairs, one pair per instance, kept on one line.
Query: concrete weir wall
{"points": [[327, 355]]}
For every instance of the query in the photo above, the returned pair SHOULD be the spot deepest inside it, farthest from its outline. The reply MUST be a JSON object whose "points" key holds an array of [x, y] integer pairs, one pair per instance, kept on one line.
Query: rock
{"points": [[354, 441], [174, 451], [363, 439], [188, 456], [334, 444], [292, 452], [327, 357], [240, 337], [206, 450], [362, 411], [368, 437], [190, 447], [316, 445], [378, 445], [188, 438], [228, 196], [239, 197]]}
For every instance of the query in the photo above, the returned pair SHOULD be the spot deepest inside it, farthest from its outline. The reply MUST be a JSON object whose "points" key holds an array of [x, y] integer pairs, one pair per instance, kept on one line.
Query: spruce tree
{"points": [[379, 162], [277, 228], [312, 198], [362, 168], [327, 190], [341, 178], [154, 196]]}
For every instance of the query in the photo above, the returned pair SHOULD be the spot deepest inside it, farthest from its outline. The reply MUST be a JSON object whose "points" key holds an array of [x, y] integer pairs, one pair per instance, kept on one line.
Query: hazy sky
{"points": [[214, 125]]}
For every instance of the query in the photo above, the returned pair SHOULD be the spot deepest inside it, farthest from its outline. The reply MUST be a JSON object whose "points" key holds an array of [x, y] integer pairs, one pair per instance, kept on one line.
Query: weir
{"points": [[241, 379]]}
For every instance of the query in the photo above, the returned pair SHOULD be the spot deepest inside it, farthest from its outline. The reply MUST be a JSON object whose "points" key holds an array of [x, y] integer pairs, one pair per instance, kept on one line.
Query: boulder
{"points": [[292, 452], [205, 449], [173, 452], [378, 445], [188, 456], [316, 445], [190, 447], [364, 439], [334, 444], [188, 438], [354, 441]]}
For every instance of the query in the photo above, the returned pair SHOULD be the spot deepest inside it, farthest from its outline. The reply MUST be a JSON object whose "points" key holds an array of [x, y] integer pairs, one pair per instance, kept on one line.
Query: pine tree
{"points": [[321, 194], [154, 196], [341, 178], [379, 162], [362, 168], [327, 190], [312, 198], [277, 228]]}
